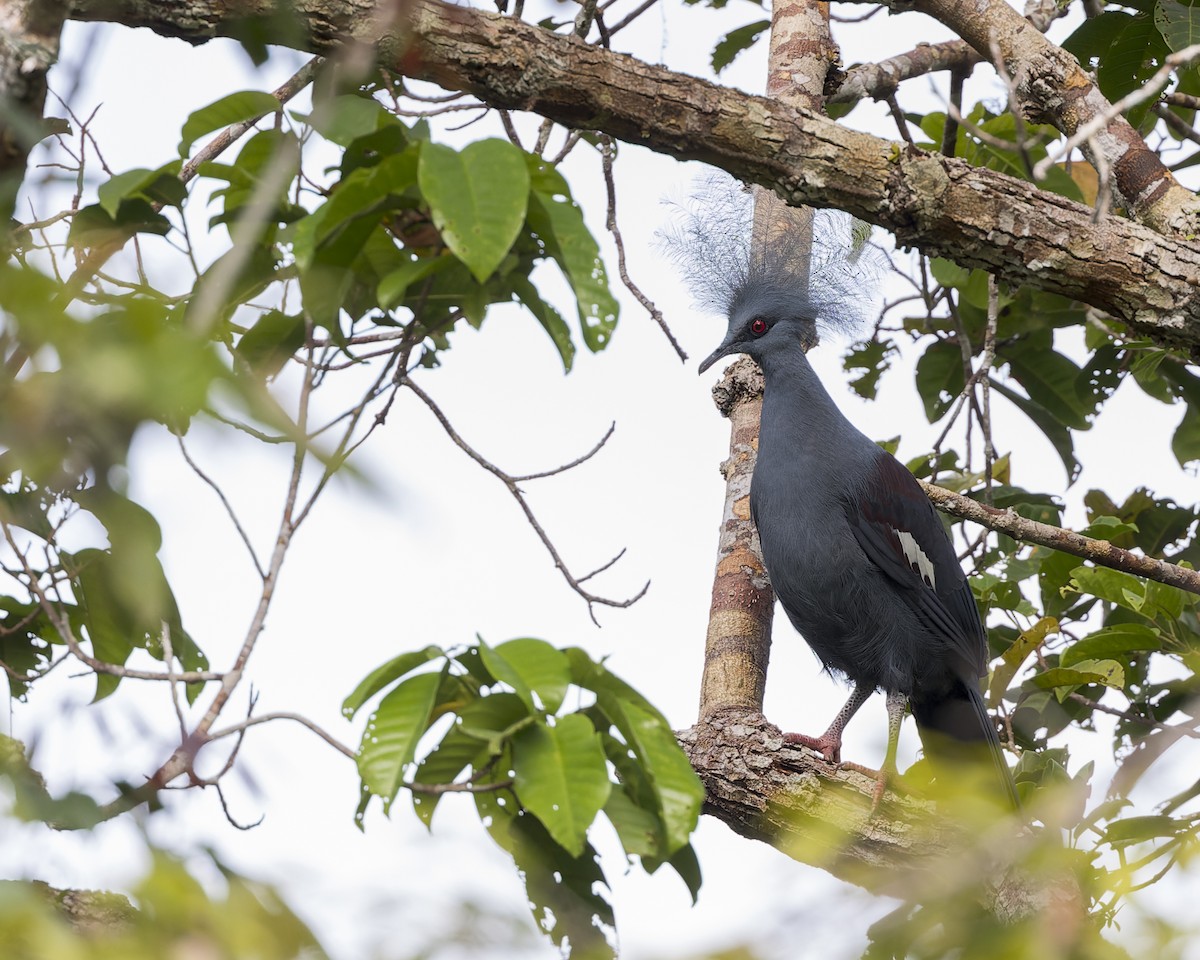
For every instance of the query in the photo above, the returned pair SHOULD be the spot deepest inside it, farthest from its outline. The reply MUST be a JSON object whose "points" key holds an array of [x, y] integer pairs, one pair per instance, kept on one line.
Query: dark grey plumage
{"points": [[856, 553]]}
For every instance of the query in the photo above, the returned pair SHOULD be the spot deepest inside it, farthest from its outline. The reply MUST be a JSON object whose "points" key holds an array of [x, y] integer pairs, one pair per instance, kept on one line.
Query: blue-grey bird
{"points": [[856, 553]]}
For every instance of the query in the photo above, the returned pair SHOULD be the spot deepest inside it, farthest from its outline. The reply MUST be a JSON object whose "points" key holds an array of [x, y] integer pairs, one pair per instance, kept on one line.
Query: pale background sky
{"points": [[435, 550]]}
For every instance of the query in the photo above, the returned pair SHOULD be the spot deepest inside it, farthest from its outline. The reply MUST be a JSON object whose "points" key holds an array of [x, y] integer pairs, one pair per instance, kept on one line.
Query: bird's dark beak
{"points": [[724, 350]]}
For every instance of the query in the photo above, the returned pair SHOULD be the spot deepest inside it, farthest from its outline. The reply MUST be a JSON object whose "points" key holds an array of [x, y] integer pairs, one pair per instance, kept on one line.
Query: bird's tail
{"points": [[956, 728]]}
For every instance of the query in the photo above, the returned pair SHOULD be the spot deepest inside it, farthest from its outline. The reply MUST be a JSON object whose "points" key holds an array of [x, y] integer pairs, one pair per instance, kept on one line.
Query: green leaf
{"points": [[394, 285], [1133, 57], [94, 227], [1137, 829], [477, 198], [271, 342], [559, 224], [947, 272], [383, 675], [685, 863], [872, 358], [344, 119], [562, 778], [646, 732], [1050, 425], [538, 672], [1021, 648], [1095, 35], [564, 891], [939, 378], [1048, 377], [1185, 443], [1178, 23], [492, 718], [735, 42], [1106, 672], [1107, 528], [550, 319], [639, 829], [162, 185], [234, 108], [1111, 642], [443, 764], [390, 740], [1111, 585]]}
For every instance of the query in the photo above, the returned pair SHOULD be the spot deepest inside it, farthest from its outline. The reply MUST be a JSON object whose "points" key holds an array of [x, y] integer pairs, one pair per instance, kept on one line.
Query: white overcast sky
{"points": [[434, 550]]}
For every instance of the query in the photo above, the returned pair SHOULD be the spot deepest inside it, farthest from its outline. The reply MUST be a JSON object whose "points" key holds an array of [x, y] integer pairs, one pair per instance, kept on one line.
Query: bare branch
{"points": [[608, 151], [574, 463], [225, 503], [1100, 552], [510, 482], [240, 728]]}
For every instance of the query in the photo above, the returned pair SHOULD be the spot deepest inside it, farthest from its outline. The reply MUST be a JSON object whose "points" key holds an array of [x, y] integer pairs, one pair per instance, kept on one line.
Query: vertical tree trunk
{"points": [[738, 644]]}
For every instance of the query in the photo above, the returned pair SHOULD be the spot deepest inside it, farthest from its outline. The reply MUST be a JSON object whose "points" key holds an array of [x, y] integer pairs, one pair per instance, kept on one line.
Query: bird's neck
{"points": [[799, 418]]}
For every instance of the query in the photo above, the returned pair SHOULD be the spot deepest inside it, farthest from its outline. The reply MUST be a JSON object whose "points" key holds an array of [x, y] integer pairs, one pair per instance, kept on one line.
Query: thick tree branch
{"points": [[767, 789], [1054, 88], [975, 217]]}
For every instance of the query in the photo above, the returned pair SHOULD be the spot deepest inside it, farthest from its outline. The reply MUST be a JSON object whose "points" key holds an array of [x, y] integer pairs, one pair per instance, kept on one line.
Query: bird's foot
{"points": [[885, 779], [826, 745]]}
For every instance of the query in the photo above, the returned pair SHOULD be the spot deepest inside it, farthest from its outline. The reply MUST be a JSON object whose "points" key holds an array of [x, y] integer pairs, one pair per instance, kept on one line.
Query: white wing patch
{"points": [[916, 556]]}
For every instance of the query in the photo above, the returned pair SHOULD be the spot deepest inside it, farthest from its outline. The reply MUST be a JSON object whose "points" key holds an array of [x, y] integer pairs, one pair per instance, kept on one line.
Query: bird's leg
{"points": [[897, 703], [830, 742]]}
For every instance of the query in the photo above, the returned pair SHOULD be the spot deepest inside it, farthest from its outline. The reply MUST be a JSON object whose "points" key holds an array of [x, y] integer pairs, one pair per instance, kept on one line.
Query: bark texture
{"points": [[817, 813], [975, 217], [1053, 88], [29, 31], [738, 644]]}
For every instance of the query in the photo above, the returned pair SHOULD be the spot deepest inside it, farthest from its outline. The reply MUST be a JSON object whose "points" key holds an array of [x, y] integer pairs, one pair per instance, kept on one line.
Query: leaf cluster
{"points": [[493, 722]]}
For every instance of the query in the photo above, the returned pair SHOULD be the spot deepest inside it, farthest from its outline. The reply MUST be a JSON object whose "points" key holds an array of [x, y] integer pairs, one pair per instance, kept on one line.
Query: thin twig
{"points": [[510, 483], [984, 380], [239, 728], [901, 120], [237, 524], [229, 816], [607, 153], [574, 463]]}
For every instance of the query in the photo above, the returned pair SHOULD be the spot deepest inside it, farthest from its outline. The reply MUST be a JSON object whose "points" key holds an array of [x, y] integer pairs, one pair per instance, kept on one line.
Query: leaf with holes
{"points": [[1178, 23], [558, 221], [390, 740], [561, 777], [478, 199], [533, 668], [383, 675]]}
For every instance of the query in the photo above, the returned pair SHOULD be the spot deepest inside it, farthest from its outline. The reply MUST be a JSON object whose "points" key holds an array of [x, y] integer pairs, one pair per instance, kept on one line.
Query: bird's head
{"points": [[778, 293], [765, 319]]}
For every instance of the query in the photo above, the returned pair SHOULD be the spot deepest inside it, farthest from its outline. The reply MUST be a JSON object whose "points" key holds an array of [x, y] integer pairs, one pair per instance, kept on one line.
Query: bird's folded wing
{"points": [[900, 532]]}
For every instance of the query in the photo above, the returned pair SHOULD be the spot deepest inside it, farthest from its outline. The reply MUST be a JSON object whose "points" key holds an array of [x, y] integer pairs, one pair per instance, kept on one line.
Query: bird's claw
{"points": [[885, 779], [829, 748]]}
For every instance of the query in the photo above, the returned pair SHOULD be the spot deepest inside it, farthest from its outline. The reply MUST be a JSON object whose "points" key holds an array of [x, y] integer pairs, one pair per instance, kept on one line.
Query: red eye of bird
{"points": [[758, 327]]}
